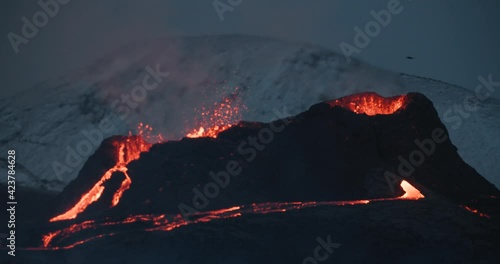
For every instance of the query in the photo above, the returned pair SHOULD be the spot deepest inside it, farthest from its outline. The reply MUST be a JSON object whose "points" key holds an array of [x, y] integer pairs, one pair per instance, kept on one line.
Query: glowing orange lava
{"points": [[411, 193], [370, 103], [145, 131], [223, 116], [475, 211], [210, 132], [168, 222], [128, 151], [131, 150]]}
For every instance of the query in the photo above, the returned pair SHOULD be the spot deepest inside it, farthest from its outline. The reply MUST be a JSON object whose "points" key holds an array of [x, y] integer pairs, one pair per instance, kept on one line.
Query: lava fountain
{"points": [[222, 116], [370, 103]]}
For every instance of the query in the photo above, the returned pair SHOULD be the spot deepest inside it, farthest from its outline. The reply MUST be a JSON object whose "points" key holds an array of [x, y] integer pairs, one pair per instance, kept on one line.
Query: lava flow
{"points": [[370, 103], [127, 151], [226, 113], [165, 222], [475, 211]]}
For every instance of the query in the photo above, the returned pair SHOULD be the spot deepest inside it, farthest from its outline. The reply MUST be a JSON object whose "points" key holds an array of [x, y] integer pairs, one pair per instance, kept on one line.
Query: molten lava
{"points": [[168, 222], [475, 211], [411, 193], [210, 132], [131, 150], [222, 116], [370, 103], [146, 133], [127, 151], [225, 113]]}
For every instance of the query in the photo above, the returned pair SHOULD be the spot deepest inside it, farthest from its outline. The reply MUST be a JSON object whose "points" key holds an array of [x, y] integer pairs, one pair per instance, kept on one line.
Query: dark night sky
{"points": [[450, 40]]}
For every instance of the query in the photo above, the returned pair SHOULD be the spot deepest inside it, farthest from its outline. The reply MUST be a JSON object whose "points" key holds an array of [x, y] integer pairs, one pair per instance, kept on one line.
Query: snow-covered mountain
{"points": [[47, 123]]}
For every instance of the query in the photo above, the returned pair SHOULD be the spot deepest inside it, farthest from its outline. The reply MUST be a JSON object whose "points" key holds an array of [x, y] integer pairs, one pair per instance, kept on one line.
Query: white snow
{"points": [[42, 122]]}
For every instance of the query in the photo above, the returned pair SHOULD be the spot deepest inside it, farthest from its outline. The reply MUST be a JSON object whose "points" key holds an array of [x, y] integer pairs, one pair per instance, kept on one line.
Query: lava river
{"points": [[164, 222]]}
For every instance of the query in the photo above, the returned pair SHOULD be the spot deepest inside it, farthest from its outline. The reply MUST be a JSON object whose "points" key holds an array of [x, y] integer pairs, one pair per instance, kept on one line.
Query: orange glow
{"points": [[210, 132], [145, 131], [475, 211], [164, 222], [370, 103], [123, 187], [47, 238], [128, 151], [411, 193], [223, 116]]}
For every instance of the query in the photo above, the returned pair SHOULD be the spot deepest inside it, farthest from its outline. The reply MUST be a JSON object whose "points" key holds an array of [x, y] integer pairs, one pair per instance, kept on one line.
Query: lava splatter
{"points": [[370, 103]]}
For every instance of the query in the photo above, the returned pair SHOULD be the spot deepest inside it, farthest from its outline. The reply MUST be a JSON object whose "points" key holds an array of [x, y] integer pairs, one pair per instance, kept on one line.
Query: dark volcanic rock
{"points": [[331, 152], [424, 231], [325, 153]]}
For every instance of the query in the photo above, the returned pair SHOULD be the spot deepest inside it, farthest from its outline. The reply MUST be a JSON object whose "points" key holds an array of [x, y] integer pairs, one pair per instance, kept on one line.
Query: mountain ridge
{"points": [[42, 123]]}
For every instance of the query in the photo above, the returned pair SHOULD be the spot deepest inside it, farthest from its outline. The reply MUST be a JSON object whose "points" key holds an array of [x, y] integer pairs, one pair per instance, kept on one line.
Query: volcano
{"points": [[372, 154]]}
